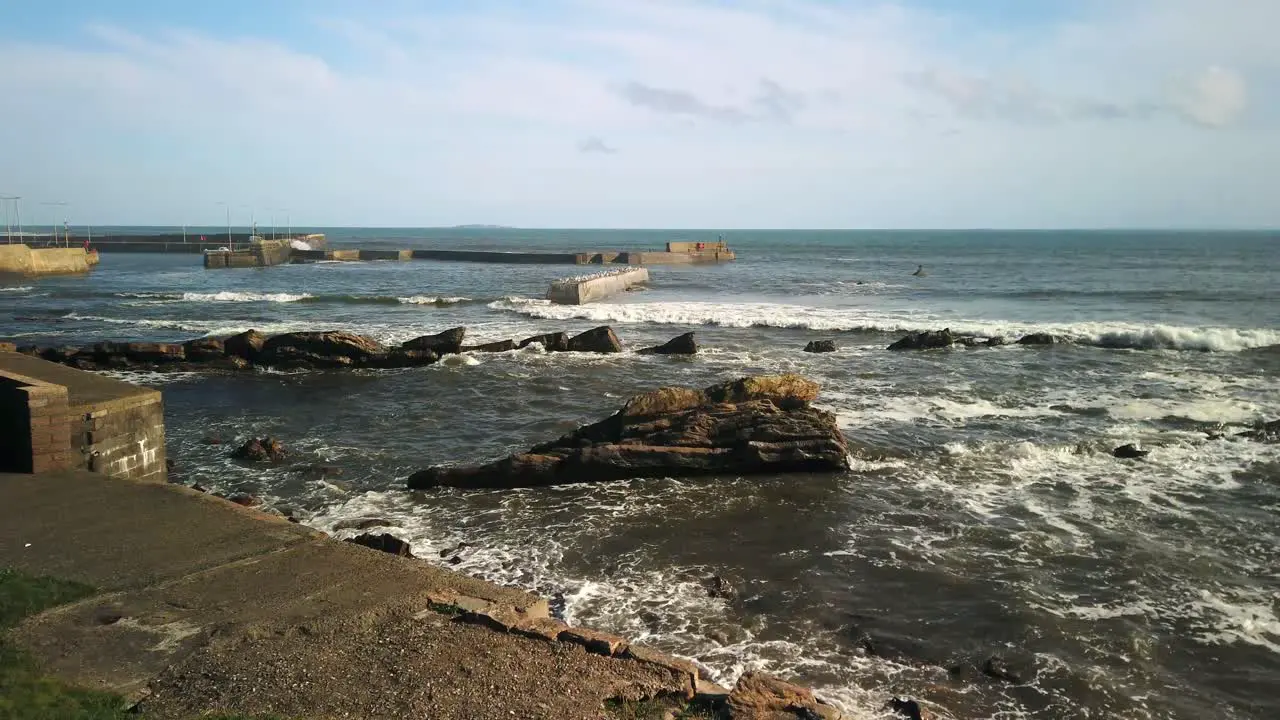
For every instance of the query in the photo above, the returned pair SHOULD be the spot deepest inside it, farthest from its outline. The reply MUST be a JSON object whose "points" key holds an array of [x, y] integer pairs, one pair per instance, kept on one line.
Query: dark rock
{"points": [[319, 349], [557, 605], [553, 342], [761, 696], [401, 358], [455, 560], [199, 488], [445, 343], [680, 345], [214, 439], [820, 346], [246, 345], [58, 354], [1130, 452], [1268, 432], [244, 499], [927, 340], [169, 464], [596, 340], [1040, 339], [997, 668], [455, 549], [267, 449], [755, 425], [385, 542], [996, 341], [205, 348], [909, 709], [500, 346], [719, 587], [142, 352]]}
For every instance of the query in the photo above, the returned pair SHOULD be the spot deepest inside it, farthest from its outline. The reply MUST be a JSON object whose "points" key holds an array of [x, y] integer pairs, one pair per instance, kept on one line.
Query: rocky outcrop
{"points": [[762, 697], [928, 340], [680, 345], [385, 542], [552, 342], [749, 426], [1130, 452], [267, 449], [1268, 432], [820, 346], [206, 348], [596, 340], [1040, 339], [319, 349], [445, 343], [245, 345]]}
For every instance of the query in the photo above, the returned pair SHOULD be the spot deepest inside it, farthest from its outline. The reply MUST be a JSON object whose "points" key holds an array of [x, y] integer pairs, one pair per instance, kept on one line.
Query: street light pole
{"points": [[53, 226], [230, 246]]}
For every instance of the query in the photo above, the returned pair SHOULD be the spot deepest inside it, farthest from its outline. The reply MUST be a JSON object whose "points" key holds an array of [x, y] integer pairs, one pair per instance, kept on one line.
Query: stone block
{"points": [[595, 642]]}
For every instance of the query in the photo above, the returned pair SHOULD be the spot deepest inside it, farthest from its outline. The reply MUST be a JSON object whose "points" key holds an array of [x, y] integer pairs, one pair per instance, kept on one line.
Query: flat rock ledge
{"points": [[755, 695], [750, 426]]}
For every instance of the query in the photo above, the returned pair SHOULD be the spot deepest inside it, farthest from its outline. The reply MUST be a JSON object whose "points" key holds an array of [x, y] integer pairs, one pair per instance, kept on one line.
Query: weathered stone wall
{"points": [[34, 427], [122, 437]]}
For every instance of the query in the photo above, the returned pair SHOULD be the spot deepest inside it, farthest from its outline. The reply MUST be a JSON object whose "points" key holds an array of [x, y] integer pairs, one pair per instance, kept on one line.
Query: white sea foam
{"points": [[17, 289], [432, 300], [233, 296], [780, 315]]}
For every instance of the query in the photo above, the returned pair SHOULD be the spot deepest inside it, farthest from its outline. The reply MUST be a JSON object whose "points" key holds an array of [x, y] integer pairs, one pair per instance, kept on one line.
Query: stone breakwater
{"points": [[320, 350], [749, 426]]}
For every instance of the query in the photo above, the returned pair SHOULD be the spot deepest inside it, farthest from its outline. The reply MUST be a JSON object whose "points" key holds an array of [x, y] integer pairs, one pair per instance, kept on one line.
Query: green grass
{"points": [[26, 693]]}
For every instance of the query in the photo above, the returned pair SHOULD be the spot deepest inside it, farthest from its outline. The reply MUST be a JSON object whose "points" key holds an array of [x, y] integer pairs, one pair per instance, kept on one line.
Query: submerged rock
{"points": [[680, 345], [820, 346], [596, 340], [500, 346], [1130, 452], [444, 343], [267, 449], [928, 340], [1040, 339], [205, 348], [908, 709], [552, 342], [1265, 432], [755, 425]]}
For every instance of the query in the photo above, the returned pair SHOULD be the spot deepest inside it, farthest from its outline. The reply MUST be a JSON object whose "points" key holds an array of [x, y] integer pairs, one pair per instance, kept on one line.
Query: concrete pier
{"points": [[582, 290], [18, 259], [259, 254], [189, 243]]}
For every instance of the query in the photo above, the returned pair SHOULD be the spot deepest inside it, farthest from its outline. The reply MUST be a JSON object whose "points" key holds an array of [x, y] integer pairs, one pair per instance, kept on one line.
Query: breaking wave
{"points": [[231, 296], [744, 315]]}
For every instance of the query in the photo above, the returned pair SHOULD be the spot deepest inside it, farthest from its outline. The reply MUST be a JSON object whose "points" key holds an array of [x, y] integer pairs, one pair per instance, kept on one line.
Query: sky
{"points": [[644, 113]]}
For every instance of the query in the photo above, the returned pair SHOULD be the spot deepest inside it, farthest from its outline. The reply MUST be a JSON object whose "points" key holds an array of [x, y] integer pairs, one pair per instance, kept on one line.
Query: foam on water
{"points": [[233, 296], [17, 289], [780, 315]]}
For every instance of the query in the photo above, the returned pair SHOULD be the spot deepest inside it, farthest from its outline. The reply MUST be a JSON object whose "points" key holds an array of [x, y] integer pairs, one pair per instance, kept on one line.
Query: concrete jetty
{"points": [[189, 243], [21, 259], [589, 288]]}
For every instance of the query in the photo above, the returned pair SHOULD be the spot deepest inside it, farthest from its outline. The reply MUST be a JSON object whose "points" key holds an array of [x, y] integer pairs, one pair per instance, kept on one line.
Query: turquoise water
{"points": [[985, 514]]}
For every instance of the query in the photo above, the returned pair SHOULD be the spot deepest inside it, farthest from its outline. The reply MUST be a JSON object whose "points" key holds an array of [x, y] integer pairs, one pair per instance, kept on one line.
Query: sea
{"points": [[986, 554]]}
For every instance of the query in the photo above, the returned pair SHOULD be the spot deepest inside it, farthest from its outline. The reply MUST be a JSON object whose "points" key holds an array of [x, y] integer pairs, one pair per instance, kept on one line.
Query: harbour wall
{"points": [[59, 418], [584, 290], [21, 259]]}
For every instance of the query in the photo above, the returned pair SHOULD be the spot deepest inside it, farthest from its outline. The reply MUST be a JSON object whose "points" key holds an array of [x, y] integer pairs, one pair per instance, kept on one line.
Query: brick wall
{"points": [[122, 438], [34, 425]]}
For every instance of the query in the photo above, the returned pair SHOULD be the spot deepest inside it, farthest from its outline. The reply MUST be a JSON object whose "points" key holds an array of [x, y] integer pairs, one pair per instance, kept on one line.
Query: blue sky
{"points": [[646, 113]]}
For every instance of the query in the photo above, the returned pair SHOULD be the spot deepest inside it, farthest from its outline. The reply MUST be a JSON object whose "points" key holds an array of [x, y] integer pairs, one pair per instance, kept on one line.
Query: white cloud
{"points": [[1214, 97], [846, 114]]}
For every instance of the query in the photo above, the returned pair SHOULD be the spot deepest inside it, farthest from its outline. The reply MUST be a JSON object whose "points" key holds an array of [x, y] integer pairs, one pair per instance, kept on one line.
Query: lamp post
{"points": [[226, 204], [273, 221], [53, 225], [9, 200]]}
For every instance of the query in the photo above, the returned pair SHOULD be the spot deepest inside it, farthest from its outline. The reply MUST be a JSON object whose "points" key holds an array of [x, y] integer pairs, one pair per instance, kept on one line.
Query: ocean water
{"points": [[985, 515]]}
